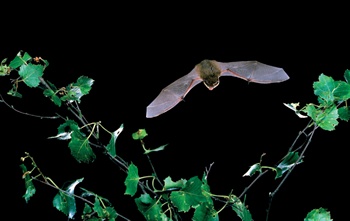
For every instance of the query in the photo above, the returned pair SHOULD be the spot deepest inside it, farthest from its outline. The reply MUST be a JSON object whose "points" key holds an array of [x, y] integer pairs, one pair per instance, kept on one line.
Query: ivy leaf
{"points": [[150, 208], [30, 189], [289, 160], [320, 214], [140, 134], [31, 73], [111, 146], [131, 180], [65, 201], [190, 196]]}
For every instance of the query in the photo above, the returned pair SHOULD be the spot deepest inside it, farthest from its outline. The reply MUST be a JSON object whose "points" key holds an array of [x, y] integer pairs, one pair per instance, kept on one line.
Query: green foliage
{"points": [[172, 198], [64, 201], [241, 210], [288, 161], [320, 214], [101, 209], [132, 180], [75, 91], [140, 134], [331, 94], [189, 196], [30, 189], [4, 69], [111, 145], [150, 208]]}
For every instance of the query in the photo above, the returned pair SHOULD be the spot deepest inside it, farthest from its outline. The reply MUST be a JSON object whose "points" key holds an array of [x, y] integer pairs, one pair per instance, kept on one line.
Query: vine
{"points": [[173, 197]]}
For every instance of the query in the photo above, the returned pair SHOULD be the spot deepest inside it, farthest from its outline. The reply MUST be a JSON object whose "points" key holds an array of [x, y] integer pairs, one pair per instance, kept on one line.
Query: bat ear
{"points": [[212, 86]]}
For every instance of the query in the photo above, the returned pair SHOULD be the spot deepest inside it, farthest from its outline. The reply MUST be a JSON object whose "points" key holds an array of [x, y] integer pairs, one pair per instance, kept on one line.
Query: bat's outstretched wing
{"points": [[253, 71], [173, 94]]}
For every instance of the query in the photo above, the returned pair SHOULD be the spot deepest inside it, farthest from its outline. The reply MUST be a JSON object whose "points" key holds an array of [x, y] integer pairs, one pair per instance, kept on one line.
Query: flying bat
{"points": [[209, 72]]}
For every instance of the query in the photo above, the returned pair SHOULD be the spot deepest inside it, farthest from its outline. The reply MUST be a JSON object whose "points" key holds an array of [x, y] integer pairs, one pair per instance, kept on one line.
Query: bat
{"points": [[209, 72]]}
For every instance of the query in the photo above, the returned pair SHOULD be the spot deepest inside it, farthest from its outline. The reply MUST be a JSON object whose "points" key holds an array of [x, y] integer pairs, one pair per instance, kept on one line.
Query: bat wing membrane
{"points": [[173, 94], [253, 71]]}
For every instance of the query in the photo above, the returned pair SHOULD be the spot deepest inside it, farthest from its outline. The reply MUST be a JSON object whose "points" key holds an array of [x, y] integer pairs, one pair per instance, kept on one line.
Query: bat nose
{"points": [[211, 87]]}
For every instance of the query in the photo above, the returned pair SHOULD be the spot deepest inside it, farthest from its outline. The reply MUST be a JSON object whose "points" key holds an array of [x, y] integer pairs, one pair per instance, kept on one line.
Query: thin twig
{"points": [[310, 135], [24, 113]]}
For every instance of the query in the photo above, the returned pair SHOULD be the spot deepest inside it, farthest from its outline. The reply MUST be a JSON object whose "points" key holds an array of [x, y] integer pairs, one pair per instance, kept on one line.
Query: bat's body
{"points": [[209, 71]]}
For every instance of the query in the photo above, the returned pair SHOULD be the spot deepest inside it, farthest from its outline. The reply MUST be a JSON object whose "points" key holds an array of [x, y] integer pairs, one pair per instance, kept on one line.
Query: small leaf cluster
{"points": [[31, 71], [332, 96]]}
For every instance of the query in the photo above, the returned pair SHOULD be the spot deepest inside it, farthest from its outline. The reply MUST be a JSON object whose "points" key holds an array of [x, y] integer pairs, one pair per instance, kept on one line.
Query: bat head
{"points": [[209, 72], [212, 85]]}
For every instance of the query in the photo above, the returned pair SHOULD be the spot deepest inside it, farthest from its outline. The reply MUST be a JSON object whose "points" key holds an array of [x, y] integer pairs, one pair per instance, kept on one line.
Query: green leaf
{"points": [[30, 189], [324, 88], [79, 144], [206, 190], [253, 168], [190, 196], [31, 73], [320, 214], [131, 180], [76, 90], [156, 149], [14, 92], [347, 75], [140, 134], [80, 147], [65, 201], [344, 113], [4, 69], [19, 60], [326, 119], [288, 161], [86, 212], [53, 97], [342, 91], [150, 208], [111, 146], [52, 94], [104, 213], [205, 212], [84, 83], [241, 210], [169, 184]]}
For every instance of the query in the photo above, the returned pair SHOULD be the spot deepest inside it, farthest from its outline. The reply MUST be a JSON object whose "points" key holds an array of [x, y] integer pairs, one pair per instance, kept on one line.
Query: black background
{"points": [[133, 54]]}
